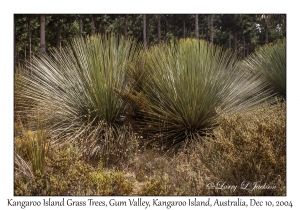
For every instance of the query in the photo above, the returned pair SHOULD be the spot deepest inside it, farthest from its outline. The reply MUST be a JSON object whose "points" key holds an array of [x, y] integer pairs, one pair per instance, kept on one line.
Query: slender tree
{"points": [[29, 35], [80, 26], [211, 29], [184, 28], [58, 39], [158, 29], [43, 40], [93, 26], [125, 26], [196, 27], [229, 40], [145, 30], [235, 41]]}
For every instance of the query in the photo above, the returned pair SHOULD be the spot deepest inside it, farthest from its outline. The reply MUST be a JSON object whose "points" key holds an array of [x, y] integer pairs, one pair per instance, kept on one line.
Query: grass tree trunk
{"points": [[145, 31], [43, 40], [211, 30], [196, 27], [158, 29]]}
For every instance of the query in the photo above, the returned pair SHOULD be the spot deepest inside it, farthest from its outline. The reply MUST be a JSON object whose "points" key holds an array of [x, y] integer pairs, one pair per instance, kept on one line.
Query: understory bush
{"points": [[68, 175], [248, 149]]}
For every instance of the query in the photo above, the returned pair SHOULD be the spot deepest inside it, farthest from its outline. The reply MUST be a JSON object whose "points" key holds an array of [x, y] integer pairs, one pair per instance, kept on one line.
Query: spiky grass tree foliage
{"points": [[185, 82], [75, 87], [270, 62]]}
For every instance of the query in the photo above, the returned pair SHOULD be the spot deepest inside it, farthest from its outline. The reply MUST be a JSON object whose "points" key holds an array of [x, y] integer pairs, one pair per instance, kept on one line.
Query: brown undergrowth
{"points": [[245, 155]]}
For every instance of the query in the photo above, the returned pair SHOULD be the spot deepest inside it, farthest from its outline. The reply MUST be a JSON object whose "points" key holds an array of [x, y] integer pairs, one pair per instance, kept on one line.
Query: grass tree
{"points": [[75, 87], [269, 61], [185, 83]]}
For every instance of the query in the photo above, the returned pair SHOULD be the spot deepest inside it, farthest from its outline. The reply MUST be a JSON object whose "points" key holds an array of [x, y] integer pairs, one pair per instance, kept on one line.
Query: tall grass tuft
{"points": [[75, 86], [185, 82], [270, 62]]}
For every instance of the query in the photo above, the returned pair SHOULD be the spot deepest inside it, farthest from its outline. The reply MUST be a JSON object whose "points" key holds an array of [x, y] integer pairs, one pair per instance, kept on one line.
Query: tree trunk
{"points": [[184, 30], [229, 40], [80, 27], [166, 29], [211, 30], [158, 29], [145, 31], [196, 27], [248, 48], [58, 39], [93, 26], [43, 40], [244, 48], [29, 37], [235, 41], [267, 34], [125, 26], [15, 45]]}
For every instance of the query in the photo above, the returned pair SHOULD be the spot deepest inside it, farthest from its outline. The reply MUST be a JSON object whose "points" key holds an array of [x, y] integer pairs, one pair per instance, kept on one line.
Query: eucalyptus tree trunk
{"points": [[29, 36], [43, 40], [158, 29], [211, 30], [93, 26], [58, 39], [229, 40], [248, 46], [145, 31], [80, 27], [235, 41], [244, 48], [196, 27], [184, 30], [15, 45], [266, 34], [125, 26]]}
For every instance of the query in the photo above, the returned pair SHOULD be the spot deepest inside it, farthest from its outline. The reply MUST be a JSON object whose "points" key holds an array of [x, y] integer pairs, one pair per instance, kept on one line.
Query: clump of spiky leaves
{"points": [[270, 62], [75, 86], [114, 145], [185, 82]]}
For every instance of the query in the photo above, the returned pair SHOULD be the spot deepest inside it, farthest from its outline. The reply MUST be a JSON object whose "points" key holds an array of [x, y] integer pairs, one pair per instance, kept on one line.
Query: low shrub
{"points": [[248, 149], [68, 175]]}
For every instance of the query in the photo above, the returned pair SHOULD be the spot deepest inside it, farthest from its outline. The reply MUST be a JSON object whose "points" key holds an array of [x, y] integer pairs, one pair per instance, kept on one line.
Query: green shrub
{"points": [[183, 83], [32, 145], [75, 87], [269, 61], [67, 174]]}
